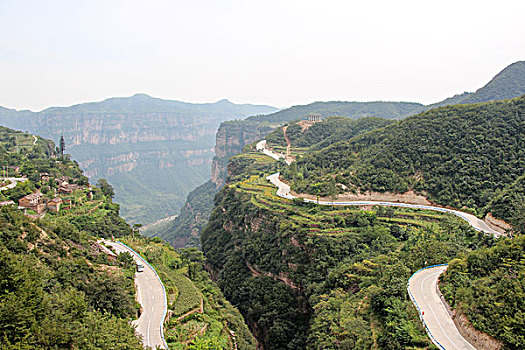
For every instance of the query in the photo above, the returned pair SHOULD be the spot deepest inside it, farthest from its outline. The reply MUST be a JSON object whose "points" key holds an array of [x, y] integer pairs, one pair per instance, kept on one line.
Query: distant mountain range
{"points": [[509, 83], [153, 151], [156, 151]]}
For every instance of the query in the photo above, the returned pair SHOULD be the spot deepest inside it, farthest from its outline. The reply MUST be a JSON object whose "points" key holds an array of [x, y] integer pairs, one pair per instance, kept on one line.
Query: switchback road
{"points": [[283, 190], [152, 298]]}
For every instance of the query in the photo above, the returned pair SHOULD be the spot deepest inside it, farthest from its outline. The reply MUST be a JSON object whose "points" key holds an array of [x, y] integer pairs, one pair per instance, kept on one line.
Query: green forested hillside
{"points": [[56, 291], [320, 135], [185, 229], [316, 277], [487, 285], [460, 155], [231, 135], [153, 151], [200, 318], [510, 202], [509, 83], [354, 110], [60, 290]]}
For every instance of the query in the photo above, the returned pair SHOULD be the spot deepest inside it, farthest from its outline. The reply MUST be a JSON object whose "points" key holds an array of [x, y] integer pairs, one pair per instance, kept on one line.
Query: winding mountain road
{"points": [[423, 290], [283, 190], [14, 181], [152, 298], [261, 146], [423, 285]]}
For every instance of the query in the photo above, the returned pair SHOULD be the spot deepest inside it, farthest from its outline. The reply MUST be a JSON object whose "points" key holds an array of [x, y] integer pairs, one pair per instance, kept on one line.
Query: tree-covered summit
{"points": [[461, 155]]}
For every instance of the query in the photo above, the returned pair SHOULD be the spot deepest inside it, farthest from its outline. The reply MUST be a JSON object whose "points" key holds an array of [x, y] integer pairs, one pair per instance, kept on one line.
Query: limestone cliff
{"points": [[152, 151], [230, 139]]}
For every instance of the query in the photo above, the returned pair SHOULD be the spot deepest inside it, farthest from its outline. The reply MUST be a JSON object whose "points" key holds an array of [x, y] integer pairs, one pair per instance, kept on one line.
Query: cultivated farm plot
{"points": [[189, 297]]}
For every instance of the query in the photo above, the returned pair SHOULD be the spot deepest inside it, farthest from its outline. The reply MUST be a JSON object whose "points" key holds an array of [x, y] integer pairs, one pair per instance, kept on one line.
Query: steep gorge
{"points": [[152, 151], [316, 277]]}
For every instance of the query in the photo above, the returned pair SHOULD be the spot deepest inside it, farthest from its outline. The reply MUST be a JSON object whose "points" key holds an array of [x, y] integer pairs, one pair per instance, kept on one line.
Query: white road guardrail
{"points": [[163, 289]]}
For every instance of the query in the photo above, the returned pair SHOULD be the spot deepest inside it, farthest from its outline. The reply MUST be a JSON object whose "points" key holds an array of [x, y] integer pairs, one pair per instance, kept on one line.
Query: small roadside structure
{"points": [[3, 204]]}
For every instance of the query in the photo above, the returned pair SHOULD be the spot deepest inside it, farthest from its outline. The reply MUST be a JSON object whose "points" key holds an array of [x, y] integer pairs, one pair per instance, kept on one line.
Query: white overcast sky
{"points": [[281, 53]]}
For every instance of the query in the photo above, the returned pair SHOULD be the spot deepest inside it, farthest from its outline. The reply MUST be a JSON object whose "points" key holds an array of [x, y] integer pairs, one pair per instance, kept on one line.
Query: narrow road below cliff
{"points": [[151, 296]]}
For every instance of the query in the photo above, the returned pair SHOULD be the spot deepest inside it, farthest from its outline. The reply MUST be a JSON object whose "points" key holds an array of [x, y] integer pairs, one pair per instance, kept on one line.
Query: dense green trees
{"points": [[331, 130], [56, 292], [185, 229], [52, 296], [339, 274], [459, 155], [488, 286], [188, 285], [106, 188], [508, 204]]}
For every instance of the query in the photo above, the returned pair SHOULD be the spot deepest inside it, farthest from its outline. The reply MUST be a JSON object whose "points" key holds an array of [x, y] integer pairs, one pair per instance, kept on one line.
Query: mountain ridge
{"points": [[231, 139], [130, 140]]}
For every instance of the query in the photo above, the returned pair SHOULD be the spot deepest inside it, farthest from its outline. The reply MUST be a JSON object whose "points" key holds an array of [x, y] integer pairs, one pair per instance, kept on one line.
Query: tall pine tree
{"points": [[62, 146]]}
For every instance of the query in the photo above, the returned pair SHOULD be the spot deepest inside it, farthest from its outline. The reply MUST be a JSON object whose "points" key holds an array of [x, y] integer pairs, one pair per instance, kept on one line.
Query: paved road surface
{"points": [[261, 147], [14, 181], [151, 296], [423, 292], [283, 190]]}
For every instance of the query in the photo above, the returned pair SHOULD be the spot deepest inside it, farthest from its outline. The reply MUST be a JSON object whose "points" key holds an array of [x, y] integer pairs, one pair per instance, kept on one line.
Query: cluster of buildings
{"points": [[37, 202]]}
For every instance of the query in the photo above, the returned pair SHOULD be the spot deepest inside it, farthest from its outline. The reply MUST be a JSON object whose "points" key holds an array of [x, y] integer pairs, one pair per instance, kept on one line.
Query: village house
{"points": [[62, 179], [44, 177], [66, 188], [2, 204], [33, 201], [54, 205]]}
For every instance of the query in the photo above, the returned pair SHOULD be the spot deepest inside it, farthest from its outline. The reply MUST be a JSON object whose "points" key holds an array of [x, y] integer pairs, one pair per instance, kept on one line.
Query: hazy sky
{"points": [[282, 53]]}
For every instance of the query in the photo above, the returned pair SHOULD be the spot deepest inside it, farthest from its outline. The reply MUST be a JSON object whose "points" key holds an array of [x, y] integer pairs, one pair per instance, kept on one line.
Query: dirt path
{"points": [[150, 225], [288, 142]]}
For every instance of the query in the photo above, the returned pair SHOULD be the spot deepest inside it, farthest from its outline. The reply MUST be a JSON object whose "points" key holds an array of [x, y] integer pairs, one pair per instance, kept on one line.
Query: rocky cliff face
{"points": [[230, 140], [152, 151]]}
